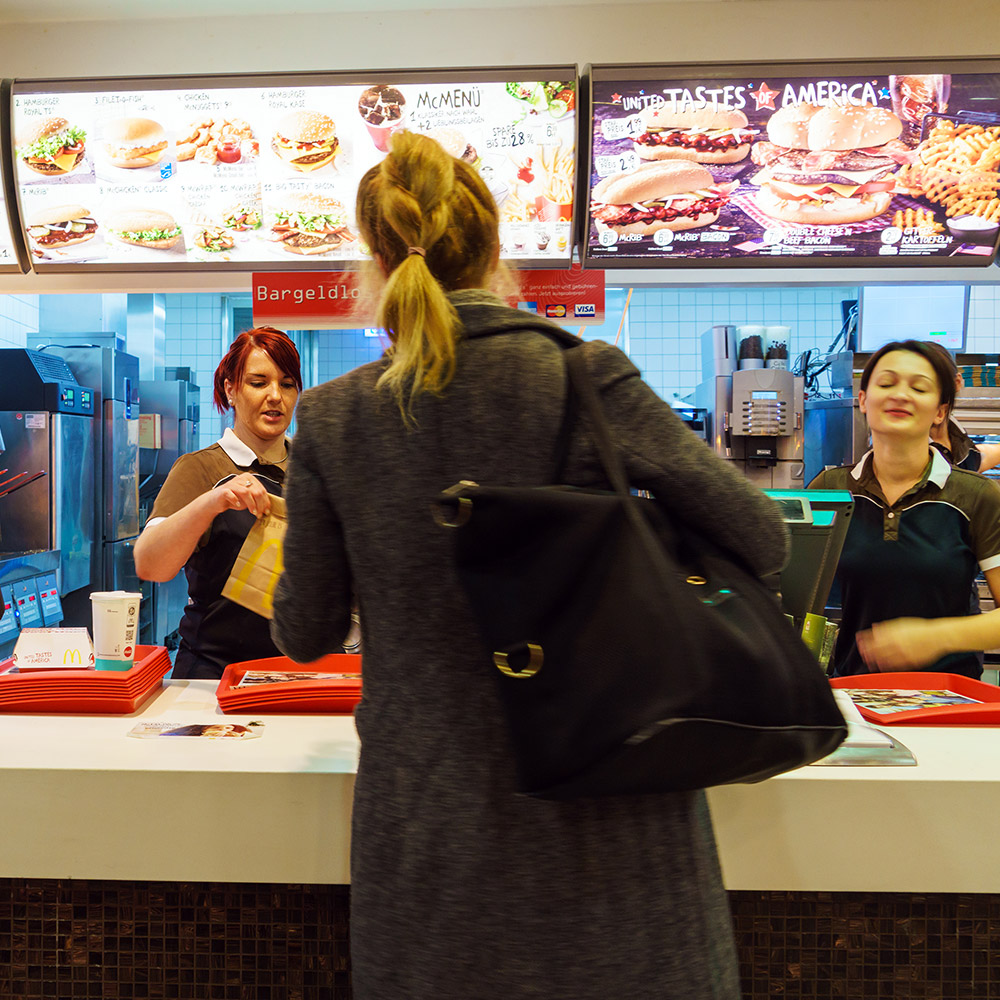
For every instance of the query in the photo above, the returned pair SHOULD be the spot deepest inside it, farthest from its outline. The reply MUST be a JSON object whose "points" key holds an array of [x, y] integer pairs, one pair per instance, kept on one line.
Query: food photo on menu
{"points": [[892, 166], [245, 175]]}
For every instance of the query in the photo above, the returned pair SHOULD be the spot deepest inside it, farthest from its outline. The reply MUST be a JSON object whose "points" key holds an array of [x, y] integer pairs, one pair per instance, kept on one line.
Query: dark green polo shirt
{"points": [[915, 558]]}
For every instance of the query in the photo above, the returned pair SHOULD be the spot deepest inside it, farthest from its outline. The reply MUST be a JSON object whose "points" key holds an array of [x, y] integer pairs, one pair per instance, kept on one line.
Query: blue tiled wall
{"points": [[194, 338], [661, 332], [18, 318]]}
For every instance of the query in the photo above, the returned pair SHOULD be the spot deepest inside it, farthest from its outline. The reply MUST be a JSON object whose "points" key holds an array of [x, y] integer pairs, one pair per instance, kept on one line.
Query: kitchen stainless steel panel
{"points": [[72, 495], [25, 522], [121, 471]]}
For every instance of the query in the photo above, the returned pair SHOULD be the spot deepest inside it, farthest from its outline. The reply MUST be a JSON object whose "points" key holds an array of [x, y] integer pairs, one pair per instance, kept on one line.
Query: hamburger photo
{"points": [[134, 142], [310, 224], [666, 194], [705, 135], [57, 226], [306, 140], [453, 140], [52, 146], [144, 227], [828, 165]]}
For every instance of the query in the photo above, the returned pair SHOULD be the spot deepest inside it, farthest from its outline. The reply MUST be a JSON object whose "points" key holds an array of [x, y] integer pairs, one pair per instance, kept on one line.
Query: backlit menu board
{"points": [[257, 173], [10, 251], [795, 164]]}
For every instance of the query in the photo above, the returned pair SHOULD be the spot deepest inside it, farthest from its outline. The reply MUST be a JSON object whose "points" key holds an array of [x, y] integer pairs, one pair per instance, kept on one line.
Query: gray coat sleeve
{"points": [[662, 455], [312, 602]]}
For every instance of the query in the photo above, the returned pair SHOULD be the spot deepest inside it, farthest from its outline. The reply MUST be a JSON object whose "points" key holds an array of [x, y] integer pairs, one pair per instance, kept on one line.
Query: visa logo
{"points": [[586, 309], [555, 311]]}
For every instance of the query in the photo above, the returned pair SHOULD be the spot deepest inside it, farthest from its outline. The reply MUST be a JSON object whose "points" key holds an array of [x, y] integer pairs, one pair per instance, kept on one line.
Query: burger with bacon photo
{"points": [[665, 194], [706, 135], [830, 165], [306, 140]]}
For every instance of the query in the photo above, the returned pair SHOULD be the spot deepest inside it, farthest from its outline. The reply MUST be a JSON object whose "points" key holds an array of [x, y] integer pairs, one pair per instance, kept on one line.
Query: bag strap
{"points": [[584, 390]]}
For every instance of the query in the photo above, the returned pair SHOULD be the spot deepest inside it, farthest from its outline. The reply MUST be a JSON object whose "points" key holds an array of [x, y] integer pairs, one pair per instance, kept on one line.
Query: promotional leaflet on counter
{"points": [[770, 166], [263, 177]]}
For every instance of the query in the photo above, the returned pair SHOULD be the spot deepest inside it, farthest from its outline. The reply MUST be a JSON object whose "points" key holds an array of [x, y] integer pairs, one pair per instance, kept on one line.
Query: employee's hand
{"points": [[242, 492], [901, 644]]}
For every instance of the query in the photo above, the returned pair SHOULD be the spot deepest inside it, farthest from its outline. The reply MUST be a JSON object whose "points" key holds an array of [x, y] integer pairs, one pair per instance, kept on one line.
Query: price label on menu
{"points": [[545, 134], [608, 165], [613, 129]]}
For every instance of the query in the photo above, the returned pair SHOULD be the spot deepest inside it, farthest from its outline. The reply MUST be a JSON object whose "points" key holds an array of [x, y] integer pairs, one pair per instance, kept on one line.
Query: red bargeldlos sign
{"points": [[330, 300], [308, 300]]}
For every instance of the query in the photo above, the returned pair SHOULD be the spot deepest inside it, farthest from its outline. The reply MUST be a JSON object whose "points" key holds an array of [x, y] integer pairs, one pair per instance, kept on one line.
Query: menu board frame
{"points": [[524, 252], [9, 188], [732, 73]]}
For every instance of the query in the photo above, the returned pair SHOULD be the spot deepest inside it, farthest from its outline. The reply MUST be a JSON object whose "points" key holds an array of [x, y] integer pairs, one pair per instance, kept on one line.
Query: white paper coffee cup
{"points": [[115, 625]]}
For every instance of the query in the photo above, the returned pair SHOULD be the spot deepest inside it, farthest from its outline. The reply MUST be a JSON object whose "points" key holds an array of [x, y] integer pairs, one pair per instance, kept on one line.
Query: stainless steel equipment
{"points": [[47, 426], [114, 376], [753, 417], [836, 433], [176, 402]]}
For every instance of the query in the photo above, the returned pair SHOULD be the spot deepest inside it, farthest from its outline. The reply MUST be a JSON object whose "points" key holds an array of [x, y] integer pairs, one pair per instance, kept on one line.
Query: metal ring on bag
{"points": [[462, 513], [535, 660], [697, 581]]}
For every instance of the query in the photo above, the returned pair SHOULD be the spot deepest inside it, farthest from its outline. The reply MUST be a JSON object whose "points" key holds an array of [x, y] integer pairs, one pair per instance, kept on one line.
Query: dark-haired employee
{"points": [[211, 498], [921, 530]]}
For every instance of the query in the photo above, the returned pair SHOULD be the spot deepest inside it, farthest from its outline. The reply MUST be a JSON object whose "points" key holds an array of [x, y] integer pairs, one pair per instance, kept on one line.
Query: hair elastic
{"points": [[418, 250]]}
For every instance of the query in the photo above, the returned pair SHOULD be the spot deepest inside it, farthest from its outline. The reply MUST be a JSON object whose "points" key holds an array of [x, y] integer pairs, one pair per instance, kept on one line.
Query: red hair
{"points": [[273, 342]]}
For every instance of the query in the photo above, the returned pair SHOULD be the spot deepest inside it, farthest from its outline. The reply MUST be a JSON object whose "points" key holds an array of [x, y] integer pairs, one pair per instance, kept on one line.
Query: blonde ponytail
{"points": [[432, 223]]}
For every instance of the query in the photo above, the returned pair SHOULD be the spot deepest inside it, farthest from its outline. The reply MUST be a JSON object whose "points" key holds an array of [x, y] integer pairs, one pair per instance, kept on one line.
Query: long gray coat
{"points": [[461, 889]]}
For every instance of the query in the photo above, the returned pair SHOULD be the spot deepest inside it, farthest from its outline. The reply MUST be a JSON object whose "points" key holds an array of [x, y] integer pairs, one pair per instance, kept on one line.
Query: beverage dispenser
{"points": [[754, 413]]}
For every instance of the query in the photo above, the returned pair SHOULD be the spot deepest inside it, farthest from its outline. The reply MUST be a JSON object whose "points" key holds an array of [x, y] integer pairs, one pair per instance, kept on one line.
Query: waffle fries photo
{"points": [[957, 167], [916, 220]]}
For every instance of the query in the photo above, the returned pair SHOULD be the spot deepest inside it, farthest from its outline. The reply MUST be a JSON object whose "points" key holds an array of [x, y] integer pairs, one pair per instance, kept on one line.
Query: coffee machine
{"points": [[754, 414]]}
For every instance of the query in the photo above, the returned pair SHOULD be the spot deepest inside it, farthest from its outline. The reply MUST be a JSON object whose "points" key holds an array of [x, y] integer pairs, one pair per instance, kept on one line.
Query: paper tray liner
{"points": [[308, 697], [985, 714], [85, 692]]}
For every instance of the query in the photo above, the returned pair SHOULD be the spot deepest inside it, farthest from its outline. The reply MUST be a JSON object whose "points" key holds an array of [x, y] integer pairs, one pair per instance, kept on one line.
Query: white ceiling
{"points": [[22, 11]]}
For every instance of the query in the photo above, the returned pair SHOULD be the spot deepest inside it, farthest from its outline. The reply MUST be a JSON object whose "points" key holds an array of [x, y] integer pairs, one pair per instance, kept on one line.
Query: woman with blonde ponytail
{"points": [[461, 889]]}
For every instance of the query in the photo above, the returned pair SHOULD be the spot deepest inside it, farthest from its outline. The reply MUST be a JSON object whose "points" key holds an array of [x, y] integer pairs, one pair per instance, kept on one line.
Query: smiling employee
{"points": [[211, 498], [921, 530]]}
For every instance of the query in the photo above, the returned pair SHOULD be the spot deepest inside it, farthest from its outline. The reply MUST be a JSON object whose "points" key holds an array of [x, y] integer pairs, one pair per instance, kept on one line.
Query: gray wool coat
{"points": [[461, 888]]}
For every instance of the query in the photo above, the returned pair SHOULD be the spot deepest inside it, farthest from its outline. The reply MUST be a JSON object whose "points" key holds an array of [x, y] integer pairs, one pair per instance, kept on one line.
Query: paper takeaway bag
{"points": [[255, 573]]}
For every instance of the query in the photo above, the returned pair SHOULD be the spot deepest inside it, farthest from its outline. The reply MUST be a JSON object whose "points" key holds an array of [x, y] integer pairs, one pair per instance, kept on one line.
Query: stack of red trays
{"points": [[312, 696], [85, 692]]}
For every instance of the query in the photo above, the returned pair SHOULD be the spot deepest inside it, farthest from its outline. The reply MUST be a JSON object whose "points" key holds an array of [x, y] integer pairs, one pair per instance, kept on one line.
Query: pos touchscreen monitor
{"points": [[262, 172], [878, 163], [913, 312]]}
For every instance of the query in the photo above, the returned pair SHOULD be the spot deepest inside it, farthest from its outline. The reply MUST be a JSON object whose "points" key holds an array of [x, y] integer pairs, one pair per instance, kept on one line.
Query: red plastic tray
{"points": [[985, 714], [306, 697], [85, 692]]}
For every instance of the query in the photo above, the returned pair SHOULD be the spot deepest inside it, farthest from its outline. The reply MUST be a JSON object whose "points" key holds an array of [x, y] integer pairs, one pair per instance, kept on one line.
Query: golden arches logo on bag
{"points": [[259, 558], [72, 657]]}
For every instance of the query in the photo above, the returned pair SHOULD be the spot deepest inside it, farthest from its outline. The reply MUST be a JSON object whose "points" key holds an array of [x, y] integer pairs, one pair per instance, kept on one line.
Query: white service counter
{"points": [[82, 800]]}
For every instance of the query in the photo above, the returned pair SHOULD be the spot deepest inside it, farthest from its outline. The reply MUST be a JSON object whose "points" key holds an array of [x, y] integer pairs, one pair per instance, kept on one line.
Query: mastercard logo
{"points": [[555, 311]]}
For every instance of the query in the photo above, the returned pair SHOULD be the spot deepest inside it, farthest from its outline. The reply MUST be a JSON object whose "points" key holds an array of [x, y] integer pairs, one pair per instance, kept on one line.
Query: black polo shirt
{"points": [[915, 558]]}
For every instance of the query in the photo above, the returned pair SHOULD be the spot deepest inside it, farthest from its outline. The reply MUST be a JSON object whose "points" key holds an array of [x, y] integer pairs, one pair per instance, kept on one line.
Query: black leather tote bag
{"points": [[632, 655]]}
